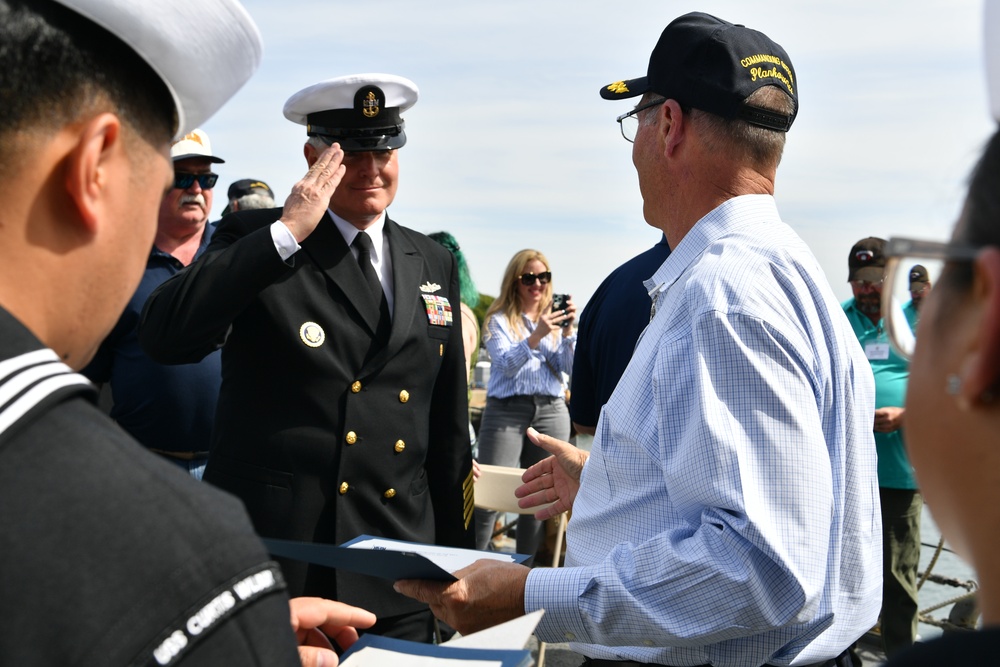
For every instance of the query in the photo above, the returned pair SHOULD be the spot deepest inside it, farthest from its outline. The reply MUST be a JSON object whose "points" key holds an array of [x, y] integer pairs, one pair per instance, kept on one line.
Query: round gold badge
{"points": [[312, 334]]}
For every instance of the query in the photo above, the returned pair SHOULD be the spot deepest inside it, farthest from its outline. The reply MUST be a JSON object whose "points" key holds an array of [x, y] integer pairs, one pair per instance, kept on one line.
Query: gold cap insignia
{"points": [[369, 105], [430, 287], [312, 334], [618, 87]]}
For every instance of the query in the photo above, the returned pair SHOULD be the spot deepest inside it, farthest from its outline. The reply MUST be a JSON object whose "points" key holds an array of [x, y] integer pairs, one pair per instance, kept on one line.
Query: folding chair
{"points": [[495, 491]]}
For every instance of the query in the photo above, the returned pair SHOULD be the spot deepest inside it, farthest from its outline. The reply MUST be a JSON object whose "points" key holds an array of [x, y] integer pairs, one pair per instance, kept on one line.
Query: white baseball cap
{"points": [[183, 40], [193, 144]]}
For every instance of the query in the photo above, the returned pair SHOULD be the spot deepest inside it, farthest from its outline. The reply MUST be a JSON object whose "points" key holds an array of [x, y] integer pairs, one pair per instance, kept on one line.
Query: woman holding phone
{"points": [[530, 346]]}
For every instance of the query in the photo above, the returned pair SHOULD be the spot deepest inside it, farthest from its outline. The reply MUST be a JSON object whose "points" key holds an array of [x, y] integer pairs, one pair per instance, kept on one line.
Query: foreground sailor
{"points": [[343, 408], [107, 555], [728, 514]]}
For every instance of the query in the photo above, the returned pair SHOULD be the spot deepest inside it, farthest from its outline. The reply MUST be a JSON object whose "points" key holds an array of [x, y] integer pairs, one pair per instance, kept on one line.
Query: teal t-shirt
{"points": [[891, 372]]}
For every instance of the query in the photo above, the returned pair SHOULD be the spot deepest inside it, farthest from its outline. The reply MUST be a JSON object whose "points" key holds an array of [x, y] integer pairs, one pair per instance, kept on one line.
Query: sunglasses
{"points": [[183, 181], [530, 278]]}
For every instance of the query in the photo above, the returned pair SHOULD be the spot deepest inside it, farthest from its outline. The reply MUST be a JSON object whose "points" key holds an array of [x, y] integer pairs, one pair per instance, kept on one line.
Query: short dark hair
{"points": [[55, 64]]}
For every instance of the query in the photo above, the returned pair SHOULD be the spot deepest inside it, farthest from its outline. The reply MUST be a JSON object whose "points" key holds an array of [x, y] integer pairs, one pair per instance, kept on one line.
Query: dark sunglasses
{"points": [[530, 278], [183, 181]]}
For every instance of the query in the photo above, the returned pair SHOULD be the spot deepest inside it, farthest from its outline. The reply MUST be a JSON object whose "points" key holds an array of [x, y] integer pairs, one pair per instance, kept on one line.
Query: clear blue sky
{"points": [[510, 145]]}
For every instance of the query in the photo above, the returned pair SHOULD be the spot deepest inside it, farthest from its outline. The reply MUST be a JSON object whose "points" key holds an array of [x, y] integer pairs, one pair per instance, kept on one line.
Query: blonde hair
{"points": [[508, 303]]}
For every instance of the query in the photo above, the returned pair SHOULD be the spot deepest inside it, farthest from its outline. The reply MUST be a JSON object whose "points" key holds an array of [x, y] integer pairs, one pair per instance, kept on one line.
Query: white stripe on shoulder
{"points": [[36, 395], [10, 366], [15, 384]]}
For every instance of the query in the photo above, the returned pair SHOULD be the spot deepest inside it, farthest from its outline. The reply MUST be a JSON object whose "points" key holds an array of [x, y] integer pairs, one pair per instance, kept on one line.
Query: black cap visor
{"points": [[621, 90], [357, 140]]}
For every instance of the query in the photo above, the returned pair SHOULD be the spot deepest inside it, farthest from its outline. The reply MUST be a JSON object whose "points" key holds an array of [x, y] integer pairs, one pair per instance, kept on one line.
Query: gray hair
{"points": [[752, 144], [253, 200]]}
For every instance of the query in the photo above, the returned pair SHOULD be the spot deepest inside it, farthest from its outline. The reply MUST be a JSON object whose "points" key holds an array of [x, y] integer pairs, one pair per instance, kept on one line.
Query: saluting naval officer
{"points": [[343, 407]]}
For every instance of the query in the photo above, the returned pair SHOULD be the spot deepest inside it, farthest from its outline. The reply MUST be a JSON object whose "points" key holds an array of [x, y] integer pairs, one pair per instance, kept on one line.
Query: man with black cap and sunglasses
{"points": [[169, 409], [343, 408], [728, 512]]}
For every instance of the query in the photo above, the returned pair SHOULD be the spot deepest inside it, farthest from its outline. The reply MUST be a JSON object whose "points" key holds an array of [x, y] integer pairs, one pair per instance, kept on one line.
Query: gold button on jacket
{"points": [[343, 488], [356, 386], [400, 446], [404, 396], [351, 438], [390, 493]]}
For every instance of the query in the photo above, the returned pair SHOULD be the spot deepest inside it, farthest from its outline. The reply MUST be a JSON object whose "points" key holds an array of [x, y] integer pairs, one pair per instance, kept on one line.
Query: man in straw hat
{"points": [[344, 406], [109, 555]]}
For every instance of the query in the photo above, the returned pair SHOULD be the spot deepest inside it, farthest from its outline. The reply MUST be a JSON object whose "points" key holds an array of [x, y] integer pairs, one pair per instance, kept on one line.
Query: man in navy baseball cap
{"points": [[713, 65]]}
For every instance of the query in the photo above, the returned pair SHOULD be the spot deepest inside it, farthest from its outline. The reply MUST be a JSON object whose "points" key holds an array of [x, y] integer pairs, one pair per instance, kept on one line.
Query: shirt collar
{"points": [[376, 231], [720, 221]]}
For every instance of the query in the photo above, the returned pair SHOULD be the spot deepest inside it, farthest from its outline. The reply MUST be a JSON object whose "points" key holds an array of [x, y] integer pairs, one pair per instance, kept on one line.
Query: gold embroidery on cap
{"points": [[312, 334], [193, 136], [369, 105], [618, 87]]}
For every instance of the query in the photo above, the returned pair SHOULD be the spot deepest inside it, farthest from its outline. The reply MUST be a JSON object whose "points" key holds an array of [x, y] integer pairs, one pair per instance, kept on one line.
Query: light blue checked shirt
{"points": [[729, 512], [518, 370]]}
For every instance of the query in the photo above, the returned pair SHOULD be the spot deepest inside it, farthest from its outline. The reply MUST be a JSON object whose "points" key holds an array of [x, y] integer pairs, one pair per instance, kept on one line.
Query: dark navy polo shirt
{"points": [[171, 408], [609, 328]]}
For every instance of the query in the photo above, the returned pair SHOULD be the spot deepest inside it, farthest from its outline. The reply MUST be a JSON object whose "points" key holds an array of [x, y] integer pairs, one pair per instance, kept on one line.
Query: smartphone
{"points": [[559, 303]]}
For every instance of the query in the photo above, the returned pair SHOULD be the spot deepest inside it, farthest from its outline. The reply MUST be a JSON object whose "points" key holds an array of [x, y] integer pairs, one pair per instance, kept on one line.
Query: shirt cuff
{"points": [[557, 591], [284, 241]]}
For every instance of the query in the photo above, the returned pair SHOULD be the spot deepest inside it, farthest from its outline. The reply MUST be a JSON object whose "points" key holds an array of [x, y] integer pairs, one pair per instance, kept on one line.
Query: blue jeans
{"points": [[502, 442]]}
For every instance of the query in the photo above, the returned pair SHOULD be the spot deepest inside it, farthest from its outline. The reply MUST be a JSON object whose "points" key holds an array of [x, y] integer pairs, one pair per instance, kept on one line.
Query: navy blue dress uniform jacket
{"points": [[324, 433]]}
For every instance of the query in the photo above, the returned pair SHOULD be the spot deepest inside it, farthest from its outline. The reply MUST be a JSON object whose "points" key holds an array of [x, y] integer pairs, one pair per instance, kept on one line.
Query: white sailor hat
{"points": [[991, 44], [359, 111], [180, 40], [193, 144]]}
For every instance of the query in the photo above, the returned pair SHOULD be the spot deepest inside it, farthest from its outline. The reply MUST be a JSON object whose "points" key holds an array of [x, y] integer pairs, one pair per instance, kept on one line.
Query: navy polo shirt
{"points": [[609, 327], [170, 408]]}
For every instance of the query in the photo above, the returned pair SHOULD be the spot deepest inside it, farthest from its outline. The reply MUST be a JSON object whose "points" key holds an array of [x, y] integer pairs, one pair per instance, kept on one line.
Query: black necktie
{"points": [[363, 243]]}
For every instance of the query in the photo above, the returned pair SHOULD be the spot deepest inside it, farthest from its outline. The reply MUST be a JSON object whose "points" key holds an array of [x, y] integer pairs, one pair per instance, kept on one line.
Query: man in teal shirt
{"points": [[900, 499]]}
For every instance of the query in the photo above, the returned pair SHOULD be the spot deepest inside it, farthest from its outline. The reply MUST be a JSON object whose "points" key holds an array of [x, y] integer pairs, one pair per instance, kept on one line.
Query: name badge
{"points": [[877, 351], [438, 310]]}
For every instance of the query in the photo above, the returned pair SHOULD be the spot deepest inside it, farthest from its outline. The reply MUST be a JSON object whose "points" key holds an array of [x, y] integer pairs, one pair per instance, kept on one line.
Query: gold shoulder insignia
{"points": [[430, 287], [468, 493], [618, 87]]}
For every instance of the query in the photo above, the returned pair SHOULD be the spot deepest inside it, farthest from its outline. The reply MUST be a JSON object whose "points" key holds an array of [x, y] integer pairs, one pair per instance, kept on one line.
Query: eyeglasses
{"points": [[900, 312], [629, 122], [183, 181], [529, 279]]}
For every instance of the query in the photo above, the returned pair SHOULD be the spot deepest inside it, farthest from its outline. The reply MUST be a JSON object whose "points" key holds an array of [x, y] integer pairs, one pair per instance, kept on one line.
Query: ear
{"points": [[981, 367], [89, 166], [310, 153], [671, 127]]}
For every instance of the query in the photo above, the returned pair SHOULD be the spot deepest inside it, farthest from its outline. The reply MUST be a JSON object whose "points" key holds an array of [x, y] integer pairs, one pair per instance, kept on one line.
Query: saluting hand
{"points": [[310, 197]]}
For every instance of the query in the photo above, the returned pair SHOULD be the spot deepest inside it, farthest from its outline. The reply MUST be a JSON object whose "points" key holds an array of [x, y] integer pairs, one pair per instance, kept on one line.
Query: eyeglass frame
{"points": [[544, 278], [633, 114], [205, 181], [897, 249]]}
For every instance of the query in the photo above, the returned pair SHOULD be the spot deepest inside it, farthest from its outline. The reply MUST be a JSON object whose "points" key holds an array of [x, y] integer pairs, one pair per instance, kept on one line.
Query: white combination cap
{"points": [[193, 144], [182, 41], [360, 111]]}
